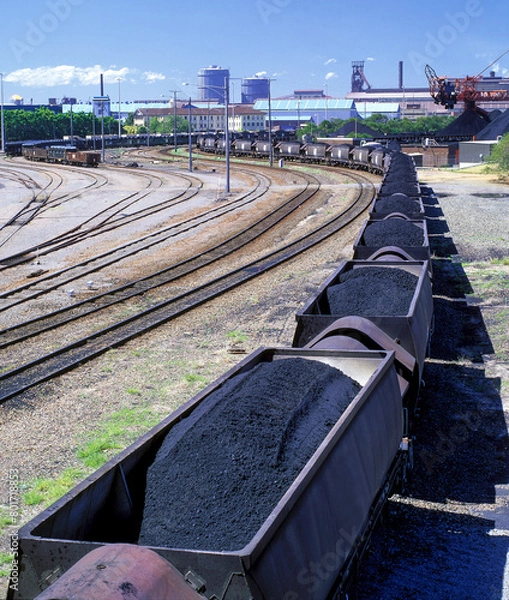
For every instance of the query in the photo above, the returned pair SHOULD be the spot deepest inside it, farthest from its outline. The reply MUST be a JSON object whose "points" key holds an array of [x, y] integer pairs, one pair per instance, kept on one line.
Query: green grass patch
{"points": [[5, 520], [46, 491], [115, 433], [500, 262], [5, 563], [194, 378], [112, 435], [237, 337], [133, 391]]}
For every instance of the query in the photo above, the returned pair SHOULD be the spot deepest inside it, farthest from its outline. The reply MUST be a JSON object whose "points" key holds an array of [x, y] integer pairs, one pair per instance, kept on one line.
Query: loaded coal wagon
{"points": [[248, 484]]}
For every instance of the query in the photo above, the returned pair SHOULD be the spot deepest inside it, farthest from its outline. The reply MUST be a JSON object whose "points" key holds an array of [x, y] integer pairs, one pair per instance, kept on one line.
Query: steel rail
{"points": [[24, 377], [128, 249], [27, 329]]}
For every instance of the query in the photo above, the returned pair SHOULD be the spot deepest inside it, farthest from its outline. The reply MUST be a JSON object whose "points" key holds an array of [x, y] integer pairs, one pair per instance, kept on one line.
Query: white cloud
{"points": [[330, 75], [498, 70], [67, 75], [261, 74], [370, 59], [330, 61], [151, 77]]}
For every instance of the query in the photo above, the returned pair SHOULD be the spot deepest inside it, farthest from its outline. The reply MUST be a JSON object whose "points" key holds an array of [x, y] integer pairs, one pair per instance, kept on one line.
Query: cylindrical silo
{"points": [[211, 83], [254, 88]]}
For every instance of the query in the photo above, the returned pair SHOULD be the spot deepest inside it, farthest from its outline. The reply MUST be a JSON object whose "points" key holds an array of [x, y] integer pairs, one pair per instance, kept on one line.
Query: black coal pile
{"points": [[498, 126], [400, 203], [392, 232], [400, 174], [372, 291], [221, 471], [401, 170], [358, 128], [468, 124], [401, 186], [400, 158]]}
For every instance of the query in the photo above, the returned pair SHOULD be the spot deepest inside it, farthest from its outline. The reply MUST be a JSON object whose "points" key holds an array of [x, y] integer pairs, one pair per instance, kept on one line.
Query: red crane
{"points": [[448, 92]]}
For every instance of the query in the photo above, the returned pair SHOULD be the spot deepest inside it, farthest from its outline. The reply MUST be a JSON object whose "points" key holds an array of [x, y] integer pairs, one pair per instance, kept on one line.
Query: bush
{"points": [[500, 153]]}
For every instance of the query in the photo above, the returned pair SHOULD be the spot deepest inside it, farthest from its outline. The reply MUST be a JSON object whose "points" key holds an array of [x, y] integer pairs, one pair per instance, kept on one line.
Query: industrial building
{"points": [[417, 102], [211, 117], [474, 131]]}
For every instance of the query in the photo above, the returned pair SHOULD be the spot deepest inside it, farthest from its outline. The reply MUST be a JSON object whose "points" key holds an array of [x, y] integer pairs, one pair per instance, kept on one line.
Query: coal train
{"points": [[65, 155], [309, 441], [95, 142], [370, 156]]}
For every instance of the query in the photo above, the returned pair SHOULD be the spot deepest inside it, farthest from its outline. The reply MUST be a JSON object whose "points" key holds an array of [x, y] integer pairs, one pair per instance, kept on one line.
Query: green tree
{"points": [[500, 153], [44, 124], [165, 125], [129, 120]]}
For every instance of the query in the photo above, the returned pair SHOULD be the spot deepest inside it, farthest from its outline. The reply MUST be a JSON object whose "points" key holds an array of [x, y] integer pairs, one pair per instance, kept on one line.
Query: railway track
{"points": [[90, 266], [39, 196], [116, 214], [15, 381]]}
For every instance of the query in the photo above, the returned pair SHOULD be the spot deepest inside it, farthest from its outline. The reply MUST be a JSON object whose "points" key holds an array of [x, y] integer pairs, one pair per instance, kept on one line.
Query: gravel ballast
{"points": [[220, 472]]}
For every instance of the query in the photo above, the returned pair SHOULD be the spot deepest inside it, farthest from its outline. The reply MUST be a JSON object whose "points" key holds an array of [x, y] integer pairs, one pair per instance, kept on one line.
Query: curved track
{"points": [[41, 368], [97, 262], [114, 215]]}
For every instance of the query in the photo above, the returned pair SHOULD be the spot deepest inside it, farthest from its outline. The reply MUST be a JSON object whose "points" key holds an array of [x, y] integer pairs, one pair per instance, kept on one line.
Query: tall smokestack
{"points": [[400, 74], [102, 85]]}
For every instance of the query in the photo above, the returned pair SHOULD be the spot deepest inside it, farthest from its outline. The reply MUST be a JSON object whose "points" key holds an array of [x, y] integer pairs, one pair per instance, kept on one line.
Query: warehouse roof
{"points": [[366, 109], [305, 104]]}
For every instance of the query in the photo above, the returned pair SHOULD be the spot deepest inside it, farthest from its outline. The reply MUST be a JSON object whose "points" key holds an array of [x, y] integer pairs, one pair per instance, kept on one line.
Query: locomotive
{"points": [[307, 541]]}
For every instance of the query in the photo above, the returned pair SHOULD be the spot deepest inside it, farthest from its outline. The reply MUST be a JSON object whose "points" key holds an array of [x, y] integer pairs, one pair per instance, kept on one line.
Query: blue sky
{"points": [[57, 48]]}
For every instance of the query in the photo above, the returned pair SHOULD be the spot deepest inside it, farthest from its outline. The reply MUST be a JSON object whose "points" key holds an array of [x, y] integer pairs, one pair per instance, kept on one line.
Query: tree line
{"points": [[44, 124], [380, 124]]}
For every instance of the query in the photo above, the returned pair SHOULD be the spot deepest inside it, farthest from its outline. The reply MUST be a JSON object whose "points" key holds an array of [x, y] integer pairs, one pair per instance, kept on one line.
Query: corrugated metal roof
{"points": [[376, 107], [291, 117], [125, 107], [305, 105]]}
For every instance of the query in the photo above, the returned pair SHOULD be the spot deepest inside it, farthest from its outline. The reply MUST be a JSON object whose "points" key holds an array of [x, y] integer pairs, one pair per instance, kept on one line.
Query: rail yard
{"points": [[131, 288]]}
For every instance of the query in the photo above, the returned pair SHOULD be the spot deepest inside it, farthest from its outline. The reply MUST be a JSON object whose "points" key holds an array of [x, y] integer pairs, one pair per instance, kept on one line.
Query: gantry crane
{"points": [[448, 92]]}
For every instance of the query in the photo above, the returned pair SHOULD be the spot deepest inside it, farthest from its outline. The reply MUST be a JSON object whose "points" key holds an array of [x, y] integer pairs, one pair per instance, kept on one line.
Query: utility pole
{"points": [[175, 120], [103, 151], [2, 115], [227, 135], [271, 149], [72, 127], [190, 140], [119, 79]]}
